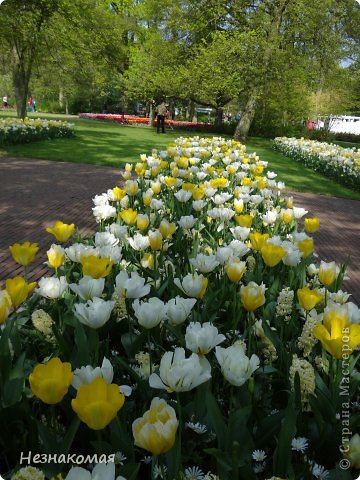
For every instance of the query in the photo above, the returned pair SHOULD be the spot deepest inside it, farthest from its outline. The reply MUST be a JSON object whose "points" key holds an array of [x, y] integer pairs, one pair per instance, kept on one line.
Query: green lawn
{"points": [[111, 144]]}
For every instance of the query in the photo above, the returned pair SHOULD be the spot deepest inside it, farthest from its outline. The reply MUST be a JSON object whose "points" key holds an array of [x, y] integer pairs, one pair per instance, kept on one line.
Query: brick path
{"points": [[36, 193]]}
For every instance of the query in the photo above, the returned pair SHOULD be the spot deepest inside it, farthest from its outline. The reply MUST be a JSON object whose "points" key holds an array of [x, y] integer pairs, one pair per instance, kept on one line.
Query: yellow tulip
{"points": [[167, 229], [351, 450], [126, 175], [308, 298], [272, 254], [140, 169], [327, 273], [246, 182], [258, 240], [142, 221], [252, 296], [155, 239], [96, 267], [61, 231], [5, 306], [261, 183], [131, 187], [198, 193], [128, 167], [235, 270], [56, 256], [311, 224], [129, 216], [238, 205], [97, 403], [155, 187], [51, 381], [18, 290], [148, 261], [244, 220], [24, 253], [204, 286], [156, 430], [147, 197], [169, 181], [287, 215], [306, 247], [118, 193], [289, 202], [258, 170], [337, 335], [188, 186]]}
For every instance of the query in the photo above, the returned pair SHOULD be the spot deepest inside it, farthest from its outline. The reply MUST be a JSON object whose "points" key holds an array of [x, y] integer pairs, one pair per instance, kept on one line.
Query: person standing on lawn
{"points": [[160, 116], [5, 101]]}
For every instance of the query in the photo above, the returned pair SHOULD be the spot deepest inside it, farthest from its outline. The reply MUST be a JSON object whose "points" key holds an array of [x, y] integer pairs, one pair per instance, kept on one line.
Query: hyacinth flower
{"points": [[61, 231]]}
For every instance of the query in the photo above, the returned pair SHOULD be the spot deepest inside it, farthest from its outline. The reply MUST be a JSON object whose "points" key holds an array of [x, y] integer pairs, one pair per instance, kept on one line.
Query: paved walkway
{"points": [[36, 193]]}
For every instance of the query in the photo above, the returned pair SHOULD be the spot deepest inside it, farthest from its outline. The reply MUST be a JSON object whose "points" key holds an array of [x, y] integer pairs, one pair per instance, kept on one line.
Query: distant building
{"points": [[340, 124]]}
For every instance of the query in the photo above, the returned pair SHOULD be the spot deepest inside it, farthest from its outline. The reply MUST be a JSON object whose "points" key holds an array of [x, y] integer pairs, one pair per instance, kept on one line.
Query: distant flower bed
{"points": [[341, 164], [133, 119], [15, 130]]}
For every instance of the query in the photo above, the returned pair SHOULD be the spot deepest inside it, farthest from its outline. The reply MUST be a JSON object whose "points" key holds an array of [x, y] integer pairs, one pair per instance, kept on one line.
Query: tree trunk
{"points": [[190, 111], [61, 97], [219, 117], [21, 88], [243, 127], [151, 115]]}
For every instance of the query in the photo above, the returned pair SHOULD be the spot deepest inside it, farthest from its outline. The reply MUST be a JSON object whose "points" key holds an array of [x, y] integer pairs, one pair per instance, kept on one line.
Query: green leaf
{"points": [[216, 419], [12, 392], [282, 454], [132, 343], [70, 435]]}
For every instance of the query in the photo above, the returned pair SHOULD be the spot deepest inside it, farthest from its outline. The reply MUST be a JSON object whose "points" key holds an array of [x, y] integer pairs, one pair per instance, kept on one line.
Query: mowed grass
{"points": [[109, 144]]}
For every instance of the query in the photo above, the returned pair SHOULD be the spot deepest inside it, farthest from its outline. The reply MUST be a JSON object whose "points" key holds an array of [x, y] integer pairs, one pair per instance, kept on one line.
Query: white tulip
{"points": [[239, 248], [204, 263], [180, 374], [130, 287], [192, 284], [201, 338], [103, 212], [187, 221], [120, 231], [236, 367], [178, 309], [52, 287], [101, 471], [88, 287], [149, 314], [139, 242], [183, 195], [224, 254], [94, 313], [86, 375], [240, 233], [105, 239], [78, 250]]}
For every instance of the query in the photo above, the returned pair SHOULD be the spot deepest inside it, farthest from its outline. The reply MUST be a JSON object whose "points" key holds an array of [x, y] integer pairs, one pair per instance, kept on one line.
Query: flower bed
{"points": [[14, 131], [341, 164], [134, 119], [192, 337]]}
